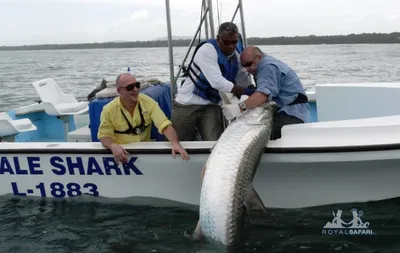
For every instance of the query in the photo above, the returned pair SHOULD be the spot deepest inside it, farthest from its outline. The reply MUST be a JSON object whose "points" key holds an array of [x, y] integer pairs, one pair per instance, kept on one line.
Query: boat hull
{"points": [[287, 178]]}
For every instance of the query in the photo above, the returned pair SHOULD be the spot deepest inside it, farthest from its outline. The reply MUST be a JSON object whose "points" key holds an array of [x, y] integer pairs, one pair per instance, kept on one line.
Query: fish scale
{"points": [[230, 170]]}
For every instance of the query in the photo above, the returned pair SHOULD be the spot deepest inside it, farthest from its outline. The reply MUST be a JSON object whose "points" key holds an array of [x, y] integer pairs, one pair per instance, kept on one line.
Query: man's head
{"points": [[127, 87], [228, 37], [250, 57]]}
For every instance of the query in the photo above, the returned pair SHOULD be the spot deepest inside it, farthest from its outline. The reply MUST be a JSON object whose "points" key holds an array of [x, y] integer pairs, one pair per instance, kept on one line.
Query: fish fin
{"points": [[246, 210], [253, 201]]}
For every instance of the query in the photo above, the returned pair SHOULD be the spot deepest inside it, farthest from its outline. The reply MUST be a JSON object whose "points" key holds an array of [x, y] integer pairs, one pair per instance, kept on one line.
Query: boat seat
{"points": [[10, 127], [72, 108], [341, 132], [55, 101]]}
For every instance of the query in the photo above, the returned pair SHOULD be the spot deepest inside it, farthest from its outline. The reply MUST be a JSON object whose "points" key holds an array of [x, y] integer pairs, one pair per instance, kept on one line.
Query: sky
{"points": [[31, 22]]}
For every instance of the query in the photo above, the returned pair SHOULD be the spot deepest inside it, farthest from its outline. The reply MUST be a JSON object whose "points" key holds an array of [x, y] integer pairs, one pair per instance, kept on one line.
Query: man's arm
{"points": [[267, 85], [107, 142], [106, 130], [255, 100], [171, 134], [106, 133], [164, 126], [158, 117]]}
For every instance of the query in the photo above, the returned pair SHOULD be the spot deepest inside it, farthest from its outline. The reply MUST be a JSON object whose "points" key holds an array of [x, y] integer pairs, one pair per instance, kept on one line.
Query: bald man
{"points": [[128, 119], [276, 82]]}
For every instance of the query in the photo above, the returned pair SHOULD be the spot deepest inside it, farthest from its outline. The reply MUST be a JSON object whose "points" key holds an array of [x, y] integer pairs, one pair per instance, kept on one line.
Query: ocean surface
{"points": [[33, 225]]}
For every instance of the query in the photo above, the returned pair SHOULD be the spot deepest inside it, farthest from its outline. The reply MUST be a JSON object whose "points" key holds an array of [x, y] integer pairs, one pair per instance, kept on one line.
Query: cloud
{"points": [[130, 20], [104, 20], [162, 22], [138, 15], [89, 1]]}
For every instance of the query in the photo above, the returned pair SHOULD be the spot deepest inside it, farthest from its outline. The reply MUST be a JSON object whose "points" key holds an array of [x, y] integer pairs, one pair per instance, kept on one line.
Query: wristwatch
{"points": [[242, 105]]}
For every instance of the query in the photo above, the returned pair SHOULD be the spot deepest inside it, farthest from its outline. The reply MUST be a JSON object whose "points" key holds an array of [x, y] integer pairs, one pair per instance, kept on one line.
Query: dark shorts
{"points": [[191, 120], [281, 119]]}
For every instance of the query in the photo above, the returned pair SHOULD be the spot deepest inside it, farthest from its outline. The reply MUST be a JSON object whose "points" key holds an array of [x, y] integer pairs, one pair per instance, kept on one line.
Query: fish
{"points": [[227, 194]]}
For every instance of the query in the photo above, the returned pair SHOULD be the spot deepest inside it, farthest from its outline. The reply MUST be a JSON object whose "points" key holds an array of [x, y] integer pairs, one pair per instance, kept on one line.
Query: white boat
{"points": [[349, 153]]}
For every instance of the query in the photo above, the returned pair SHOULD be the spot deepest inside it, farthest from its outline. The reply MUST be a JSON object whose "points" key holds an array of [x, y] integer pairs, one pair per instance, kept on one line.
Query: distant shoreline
{"points": [[364, 38]]}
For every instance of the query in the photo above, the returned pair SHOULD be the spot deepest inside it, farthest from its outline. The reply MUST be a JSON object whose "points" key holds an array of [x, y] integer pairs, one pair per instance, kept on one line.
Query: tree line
{"points": [[364, 38]]}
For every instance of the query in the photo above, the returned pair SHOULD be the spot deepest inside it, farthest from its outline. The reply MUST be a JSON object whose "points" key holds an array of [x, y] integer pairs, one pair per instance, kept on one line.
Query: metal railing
{"points": [[170, 49], [206, 6]]}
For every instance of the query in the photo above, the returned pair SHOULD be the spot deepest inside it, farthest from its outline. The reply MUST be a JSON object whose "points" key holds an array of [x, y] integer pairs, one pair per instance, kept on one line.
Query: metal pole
{"points": [[234, 14], [204, 6], [211, 14], [243, 26], [170, 51], [219, 21], [191, 43]]}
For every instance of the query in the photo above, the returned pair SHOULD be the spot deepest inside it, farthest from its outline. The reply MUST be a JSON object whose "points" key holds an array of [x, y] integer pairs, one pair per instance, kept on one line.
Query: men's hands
{"points": [[119, 153], [237, 90], [176, 147], [248, 91], [231, 111]]}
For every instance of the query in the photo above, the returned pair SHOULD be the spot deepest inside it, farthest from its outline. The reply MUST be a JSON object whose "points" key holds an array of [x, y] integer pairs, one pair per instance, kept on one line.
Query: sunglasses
{"points": [[131, 86], [229, 42], [248, 64]]}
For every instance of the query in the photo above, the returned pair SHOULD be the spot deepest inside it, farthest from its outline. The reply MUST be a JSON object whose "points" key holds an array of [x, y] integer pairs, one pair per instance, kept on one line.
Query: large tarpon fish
{"points": [[227, 193]]}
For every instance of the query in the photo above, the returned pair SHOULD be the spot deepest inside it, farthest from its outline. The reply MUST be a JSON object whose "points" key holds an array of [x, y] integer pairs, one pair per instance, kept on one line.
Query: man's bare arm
{"points": [[171, 134], [255, 100], [107, 142]]}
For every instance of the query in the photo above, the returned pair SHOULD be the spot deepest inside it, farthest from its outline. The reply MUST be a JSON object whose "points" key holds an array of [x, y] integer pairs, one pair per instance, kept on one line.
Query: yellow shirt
{"points": [[112, 119]]}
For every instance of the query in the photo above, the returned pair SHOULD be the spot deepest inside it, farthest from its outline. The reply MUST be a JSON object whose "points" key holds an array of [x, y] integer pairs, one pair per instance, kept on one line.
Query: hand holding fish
{"points": [[231, 111]]}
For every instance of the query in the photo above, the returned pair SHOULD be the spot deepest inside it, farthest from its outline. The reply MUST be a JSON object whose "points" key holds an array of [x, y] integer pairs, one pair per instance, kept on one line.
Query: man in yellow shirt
{"points": [[128, 119]]}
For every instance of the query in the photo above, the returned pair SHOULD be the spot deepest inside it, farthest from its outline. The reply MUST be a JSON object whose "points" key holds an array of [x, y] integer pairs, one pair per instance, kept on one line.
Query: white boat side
{"points": [[356, 161]]}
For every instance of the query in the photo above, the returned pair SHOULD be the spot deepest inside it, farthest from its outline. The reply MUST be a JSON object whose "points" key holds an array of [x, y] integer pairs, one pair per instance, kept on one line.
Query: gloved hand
{"points": [[243, 98], [231, 111]]}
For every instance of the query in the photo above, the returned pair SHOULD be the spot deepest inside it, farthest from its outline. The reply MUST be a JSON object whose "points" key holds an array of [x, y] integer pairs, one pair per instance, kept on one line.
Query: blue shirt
{"points": [[277, 80]]}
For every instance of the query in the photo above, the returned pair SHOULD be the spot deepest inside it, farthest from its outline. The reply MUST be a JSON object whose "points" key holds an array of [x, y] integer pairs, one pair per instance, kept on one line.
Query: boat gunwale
{"points": [[201, 150]]}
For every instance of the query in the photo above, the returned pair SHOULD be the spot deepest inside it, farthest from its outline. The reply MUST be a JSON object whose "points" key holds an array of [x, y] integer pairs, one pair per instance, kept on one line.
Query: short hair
{"points": [[227, 27], [119, 78]]}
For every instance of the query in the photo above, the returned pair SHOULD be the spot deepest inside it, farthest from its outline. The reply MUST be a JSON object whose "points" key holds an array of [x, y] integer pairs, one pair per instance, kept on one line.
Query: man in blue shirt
{"points": [[276, 82]]}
